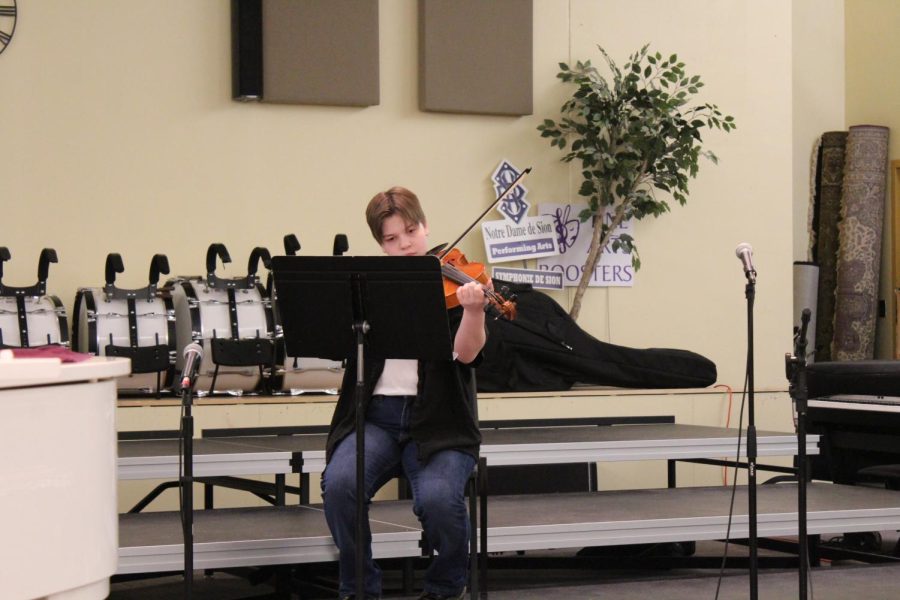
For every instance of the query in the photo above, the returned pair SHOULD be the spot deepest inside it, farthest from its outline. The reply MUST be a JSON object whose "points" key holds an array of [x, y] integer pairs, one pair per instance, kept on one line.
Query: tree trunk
{"points": [[598, 245], [594, 253]]}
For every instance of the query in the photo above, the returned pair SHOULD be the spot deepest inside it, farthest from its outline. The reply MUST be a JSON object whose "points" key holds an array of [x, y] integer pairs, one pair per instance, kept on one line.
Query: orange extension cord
{"points": [[727, 424]]}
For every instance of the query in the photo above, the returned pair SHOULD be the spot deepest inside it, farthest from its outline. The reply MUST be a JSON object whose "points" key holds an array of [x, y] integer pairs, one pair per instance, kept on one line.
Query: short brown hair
{"points": [[396, 201]]}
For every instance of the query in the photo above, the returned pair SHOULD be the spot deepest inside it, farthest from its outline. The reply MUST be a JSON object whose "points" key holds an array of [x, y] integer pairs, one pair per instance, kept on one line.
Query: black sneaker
{"points": [[433, 596]]}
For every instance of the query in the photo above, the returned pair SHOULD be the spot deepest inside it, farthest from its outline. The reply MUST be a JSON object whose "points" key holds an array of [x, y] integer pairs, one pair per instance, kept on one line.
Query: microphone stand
{"points": [[750, 293], [796, 372], [187, 485]]}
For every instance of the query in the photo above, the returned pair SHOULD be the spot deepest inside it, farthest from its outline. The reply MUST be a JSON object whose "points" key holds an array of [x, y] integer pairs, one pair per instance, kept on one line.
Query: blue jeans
{"points": [[438, 489]]}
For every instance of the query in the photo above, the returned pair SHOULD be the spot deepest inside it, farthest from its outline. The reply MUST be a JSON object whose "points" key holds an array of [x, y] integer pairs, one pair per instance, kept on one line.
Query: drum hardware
{"points": [[195, 302], [92, 315], [48, 255], [258, 352], [138, 324], [291, 244], [244, 283], [58, 311], [159, 264], [341, 245], [33, 305]]}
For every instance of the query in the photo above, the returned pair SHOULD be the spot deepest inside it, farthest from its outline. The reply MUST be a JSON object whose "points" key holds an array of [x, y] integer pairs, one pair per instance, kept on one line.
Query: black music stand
{"points": [[380, 307]]}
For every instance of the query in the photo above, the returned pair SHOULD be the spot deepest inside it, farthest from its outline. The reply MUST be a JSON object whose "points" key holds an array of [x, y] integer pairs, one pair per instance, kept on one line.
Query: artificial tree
{"points": [[638, 133]]}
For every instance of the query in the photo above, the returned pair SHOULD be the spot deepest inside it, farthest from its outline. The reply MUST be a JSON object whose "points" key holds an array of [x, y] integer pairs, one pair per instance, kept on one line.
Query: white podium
{"points": [[58, 513]]}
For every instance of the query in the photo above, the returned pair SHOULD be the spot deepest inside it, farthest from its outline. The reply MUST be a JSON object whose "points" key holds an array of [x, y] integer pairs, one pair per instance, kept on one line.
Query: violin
{"points": [[457, 271]]}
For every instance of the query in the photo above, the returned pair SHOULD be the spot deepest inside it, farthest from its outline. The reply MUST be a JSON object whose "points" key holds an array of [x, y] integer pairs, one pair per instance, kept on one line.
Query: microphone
{"points": [[193, 354], [744, 252]]}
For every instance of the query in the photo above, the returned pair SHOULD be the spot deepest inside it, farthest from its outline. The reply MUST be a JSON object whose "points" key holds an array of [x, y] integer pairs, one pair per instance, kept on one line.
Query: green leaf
{"points": [[587, 188]]}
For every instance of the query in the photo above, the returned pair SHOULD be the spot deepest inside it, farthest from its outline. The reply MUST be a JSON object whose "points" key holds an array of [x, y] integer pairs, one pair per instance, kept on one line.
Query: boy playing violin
{"points": [[421, 421]]}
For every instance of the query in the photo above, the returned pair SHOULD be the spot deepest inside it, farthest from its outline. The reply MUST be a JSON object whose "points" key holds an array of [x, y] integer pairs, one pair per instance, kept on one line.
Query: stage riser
{"points": [[210, 556], [534, 522], [499, 541], [243, 456]]}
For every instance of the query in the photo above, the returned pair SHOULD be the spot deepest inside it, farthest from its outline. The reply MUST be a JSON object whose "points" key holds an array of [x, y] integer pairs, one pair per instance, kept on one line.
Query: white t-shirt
{"points": [[399, 378]]}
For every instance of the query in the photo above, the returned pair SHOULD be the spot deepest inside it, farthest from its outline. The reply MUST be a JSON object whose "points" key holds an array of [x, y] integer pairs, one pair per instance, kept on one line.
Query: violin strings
{"points": [[463, 278]]}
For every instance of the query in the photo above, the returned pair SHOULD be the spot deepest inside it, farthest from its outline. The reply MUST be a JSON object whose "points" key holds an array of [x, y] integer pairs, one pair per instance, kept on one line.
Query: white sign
{"points": [[573, 239], [545, 280], [532, 237]]}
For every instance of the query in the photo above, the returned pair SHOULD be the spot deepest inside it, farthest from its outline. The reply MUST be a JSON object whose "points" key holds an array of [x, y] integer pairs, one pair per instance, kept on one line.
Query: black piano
{"points": [[855, 407]]}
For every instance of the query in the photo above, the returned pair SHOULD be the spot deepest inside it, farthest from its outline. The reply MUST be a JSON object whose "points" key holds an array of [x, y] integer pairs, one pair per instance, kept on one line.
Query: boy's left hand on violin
{"points": [[471, 296]]}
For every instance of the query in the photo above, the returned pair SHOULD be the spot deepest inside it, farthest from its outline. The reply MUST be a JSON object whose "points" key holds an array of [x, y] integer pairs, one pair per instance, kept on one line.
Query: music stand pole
{"points": [[750, 293], [361, 328], [187, 487]]}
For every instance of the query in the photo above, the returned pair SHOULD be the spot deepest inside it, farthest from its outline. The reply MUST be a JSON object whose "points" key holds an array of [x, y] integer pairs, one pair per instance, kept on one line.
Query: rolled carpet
{"points": [[859, 243]]}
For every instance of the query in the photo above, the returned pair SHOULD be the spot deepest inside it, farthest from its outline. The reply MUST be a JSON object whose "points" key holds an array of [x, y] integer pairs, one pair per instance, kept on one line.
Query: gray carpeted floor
{"points": [[837, 581]]}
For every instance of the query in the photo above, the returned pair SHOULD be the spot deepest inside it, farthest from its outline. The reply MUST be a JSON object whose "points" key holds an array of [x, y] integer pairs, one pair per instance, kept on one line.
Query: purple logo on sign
{"points": [[566, 228], [514, 206]]}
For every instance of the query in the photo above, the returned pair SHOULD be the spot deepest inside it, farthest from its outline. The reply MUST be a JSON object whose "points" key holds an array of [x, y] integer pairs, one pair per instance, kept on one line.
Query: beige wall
{"points": [[119, 134], [818, 96], [873, 97]]}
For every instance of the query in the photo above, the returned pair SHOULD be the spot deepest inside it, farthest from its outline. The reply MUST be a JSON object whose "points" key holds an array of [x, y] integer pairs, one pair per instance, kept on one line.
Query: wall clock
{"points": [[7, 22]]}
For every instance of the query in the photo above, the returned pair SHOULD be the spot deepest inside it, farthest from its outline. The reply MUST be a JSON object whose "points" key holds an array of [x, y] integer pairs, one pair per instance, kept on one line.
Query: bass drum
{"points": [[304, 375], [102, 327], [45, 318], [203, 314]]}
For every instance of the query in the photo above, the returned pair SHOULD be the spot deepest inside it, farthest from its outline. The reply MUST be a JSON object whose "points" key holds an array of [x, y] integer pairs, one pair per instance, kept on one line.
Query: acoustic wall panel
{"points": [[320, 52], [475, 56]]}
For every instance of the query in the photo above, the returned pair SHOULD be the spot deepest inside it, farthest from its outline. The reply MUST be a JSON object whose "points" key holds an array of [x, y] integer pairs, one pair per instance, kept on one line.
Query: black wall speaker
{"points": [[246, 50]]}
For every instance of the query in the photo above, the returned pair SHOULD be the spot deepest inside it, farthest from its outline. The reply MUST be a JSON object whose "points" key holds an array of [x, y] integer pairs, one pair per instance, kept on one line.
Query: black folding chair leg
{"points": [[483, 522], [473, 535]]}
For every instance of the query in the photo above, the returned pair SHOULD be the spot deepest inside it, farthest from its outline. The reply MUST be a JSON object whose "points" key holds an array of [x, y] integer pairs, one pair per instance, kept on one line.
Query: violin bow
{"points": [[516, 182]]}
